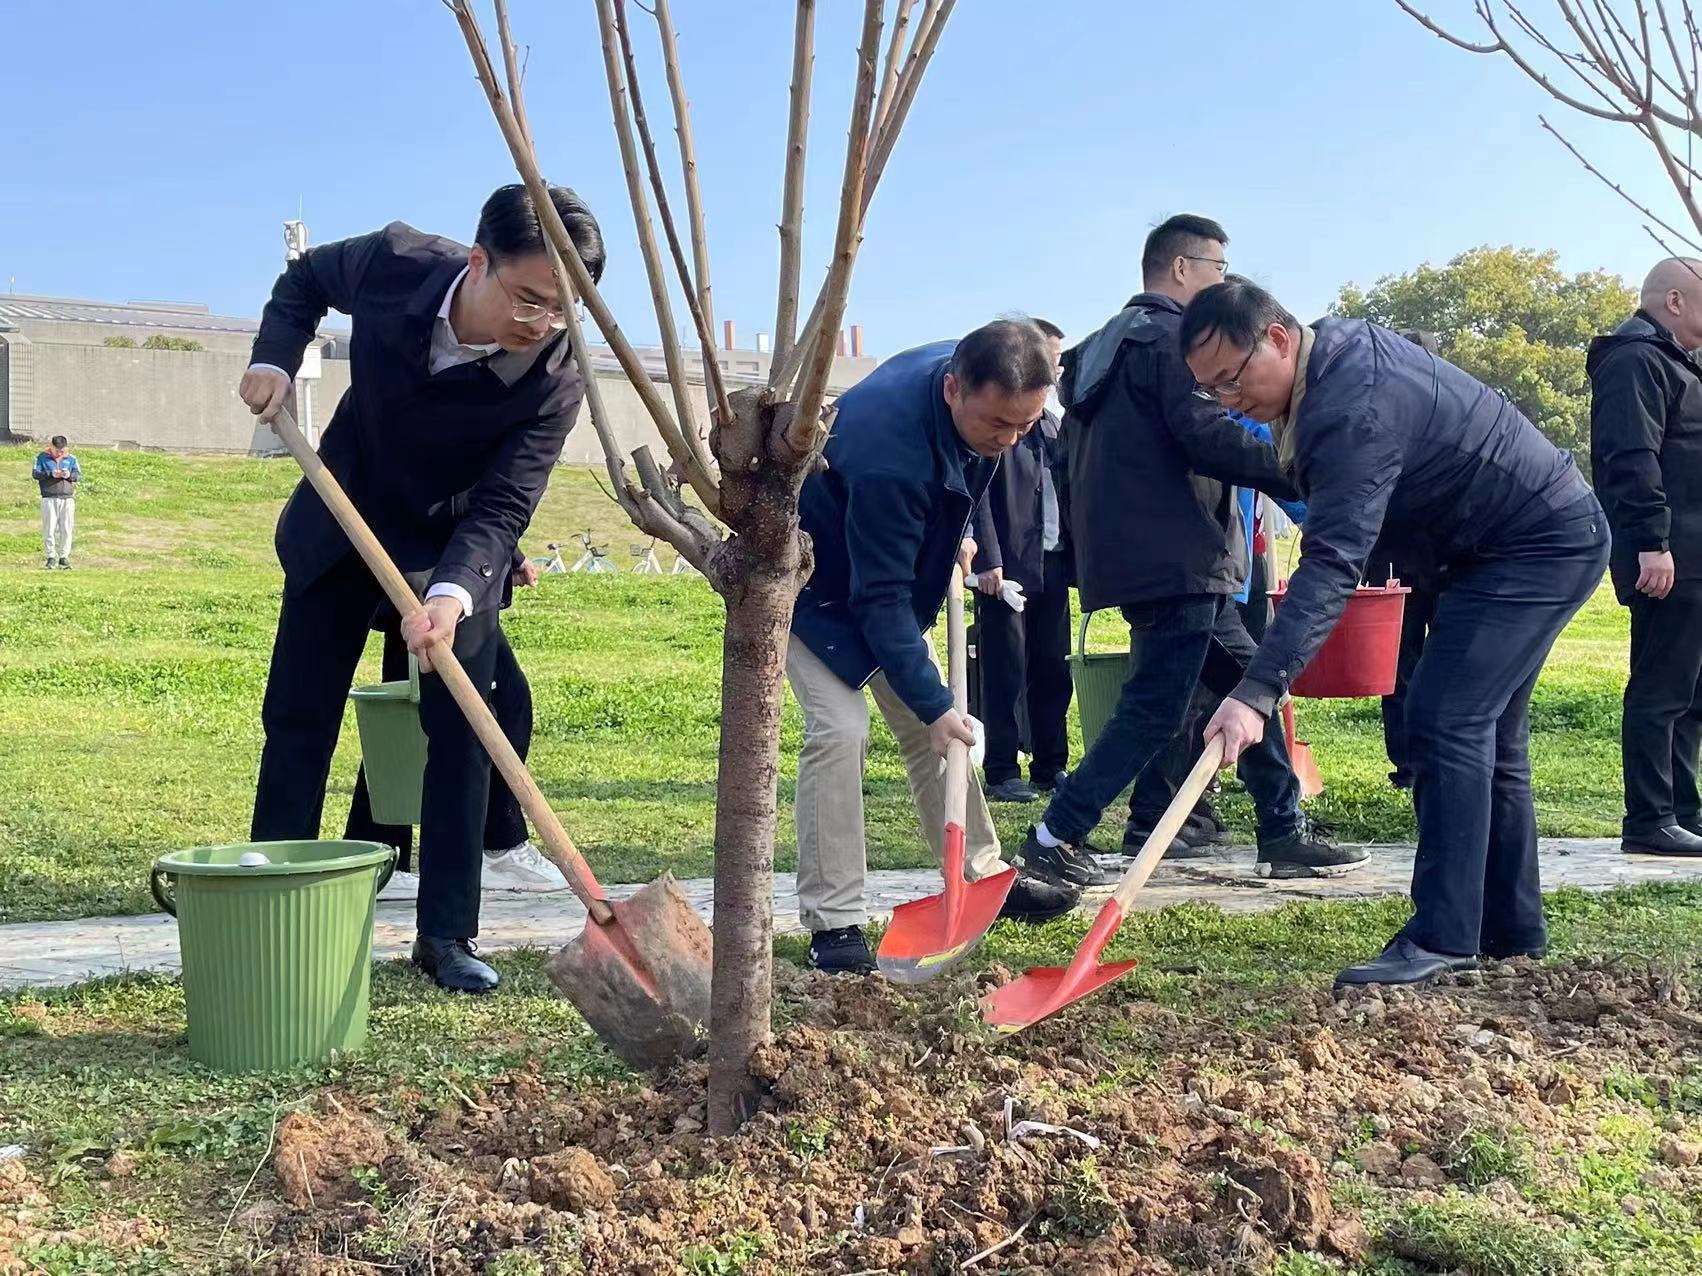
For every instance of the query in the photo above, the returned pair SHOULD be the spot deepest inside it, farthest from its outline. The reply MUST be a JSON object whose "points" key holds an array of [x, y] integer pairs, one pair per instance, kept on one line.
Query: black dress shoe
{"points": [[1674, 839], [451, 964], [1404, 962], [1691, 824], [1015, 789], [1047, 783], [1063, 864], [1035, 899], [841, 951]]}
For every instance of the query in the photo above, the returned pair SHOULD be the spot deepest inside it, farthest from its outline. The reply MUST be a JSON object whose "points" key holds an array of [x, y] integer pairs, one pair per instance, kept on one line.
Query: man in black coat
{"points": [[1646, 451], [462, 391], [1157, 533], [1382, 437], [1023, 657]]}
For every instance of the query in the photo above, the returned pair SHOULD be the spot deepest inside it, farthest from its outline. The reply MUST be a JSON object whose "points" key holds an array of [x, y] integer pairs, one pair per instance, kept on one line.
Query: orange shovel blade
{"points": [[927, 937], [1046, 990]]}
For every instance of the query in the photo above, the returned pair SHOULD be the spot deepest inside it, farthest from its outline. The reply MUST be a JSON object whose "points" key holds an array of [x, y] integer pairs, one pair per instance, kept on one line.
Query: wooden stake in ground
{"points": [[761, 443]]}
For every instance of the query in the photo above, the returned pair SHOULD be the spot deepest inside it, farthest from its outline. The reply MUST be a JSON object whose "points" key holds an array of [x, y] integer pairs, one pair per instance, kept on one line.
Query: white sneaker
{"points": [[401, 887], [522, 869]]}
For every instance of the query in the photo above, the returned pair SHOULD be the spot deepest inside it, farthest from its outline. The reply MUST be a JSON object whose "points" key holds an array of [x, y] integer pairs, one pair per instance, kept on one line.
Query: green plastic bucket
{"points": [[393, 746], [1099, 677], [277, 957]]}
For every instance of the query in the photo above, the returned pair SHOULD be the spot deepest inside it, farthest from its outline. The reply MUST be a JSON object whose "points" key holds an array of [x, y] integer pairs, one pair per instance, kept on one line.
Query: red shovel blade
{"points": [[927, 937], [1046, 990]]}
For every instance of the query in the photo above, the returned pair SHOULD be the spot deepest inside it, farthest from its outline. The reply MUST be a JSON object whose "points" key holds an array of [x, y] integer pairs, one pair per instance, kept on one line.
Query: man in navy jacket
{"points": [[913, 448], [462, 391], [1383, 437]]}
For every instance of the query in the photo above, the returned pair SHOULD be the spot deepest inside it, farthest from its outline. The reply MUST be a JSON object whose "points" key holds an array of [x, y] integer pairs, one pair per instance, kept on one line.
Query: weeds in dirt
{"points": [[1480, 1157], [1089, 1208], [1483, 1239], [727, 1257]]}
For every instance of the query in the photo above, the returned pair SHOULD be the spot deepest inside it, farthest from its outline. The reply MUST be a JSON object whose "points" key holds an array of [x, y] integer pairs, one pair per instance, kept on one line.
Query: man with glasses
{"points": [[1157, 533], [1384, 438], [461, 392]]}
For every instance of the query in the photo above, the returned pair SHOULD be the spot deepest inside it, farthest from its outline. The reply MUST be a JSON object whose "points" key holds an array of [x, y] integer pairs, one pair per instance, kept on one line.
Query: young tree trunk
{"points": [[760, 572]]}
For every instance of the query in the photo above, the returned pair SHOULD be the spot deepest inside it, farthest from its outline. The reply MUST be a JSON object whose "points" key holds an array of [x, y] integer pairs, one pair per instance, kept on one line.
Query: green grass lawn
{"points": [[130, 692]]}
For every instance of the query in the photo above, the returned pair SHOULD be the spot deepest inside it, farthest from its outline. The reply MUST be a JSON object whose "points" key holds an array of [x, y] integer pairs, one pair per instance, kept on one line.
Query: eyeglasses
{"points": [[1219, 262], [529, 311], [1230, 385]]}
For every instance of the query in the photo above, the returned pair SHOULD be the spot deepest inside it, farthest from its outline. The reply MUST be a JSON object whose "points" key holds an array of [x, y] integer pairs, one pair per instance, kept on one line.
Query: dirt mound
{"points": [[894, 1136]]}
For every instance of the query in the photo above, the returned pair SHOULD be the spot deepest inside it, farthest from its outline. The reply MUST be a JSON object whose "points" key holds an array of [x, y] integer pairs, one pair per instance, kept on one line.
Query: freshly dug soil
{"points": [[892, 1136]]}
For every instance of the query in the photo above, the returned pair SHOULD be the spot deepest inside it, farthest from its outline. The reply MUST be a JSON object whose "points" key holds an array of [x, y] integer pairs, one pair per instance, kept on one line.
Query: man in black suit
{"points": [[462, 391], [1024, 656]]}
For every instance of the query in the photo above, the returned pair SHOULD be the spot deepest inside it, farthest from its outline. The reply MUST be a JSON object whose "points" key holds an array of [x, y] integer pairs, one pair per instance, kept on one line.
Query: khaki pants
{"points": [[832, 857]]}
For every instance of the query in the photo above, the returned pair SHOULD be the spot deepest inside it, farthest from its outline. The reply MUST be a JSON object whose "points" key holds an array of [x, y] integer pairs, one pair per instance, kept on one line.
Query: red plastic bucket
{"points": [[1358, 658]]}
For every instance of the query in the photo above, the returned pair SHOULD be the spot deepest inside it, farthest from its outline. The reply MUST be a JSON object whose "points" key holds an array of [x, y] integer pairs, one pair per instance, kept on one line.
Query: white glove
{"points": [[978, 750], [1010, 591]]}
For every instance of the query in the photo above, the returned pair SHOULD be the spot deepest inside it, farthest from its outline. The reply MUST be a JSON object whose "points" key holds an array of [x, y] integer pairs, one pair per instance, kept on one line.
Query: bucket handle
{"points": [[1081, 635], [166, 897]]}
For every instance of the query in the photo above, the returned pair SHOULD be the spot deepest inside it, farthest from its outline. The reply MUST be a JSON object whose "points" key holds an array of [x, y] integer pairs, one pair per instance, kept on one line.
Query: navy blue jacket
{"points": [[1389, 438], [1010, 531], [1646, 447], [886, 518]]}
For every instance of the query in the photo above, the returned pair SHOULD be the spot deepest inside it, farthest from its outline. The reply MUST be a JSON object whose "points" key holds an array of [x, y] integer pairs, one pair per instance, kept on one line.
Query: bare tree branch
{"points": [[894, 49], [695, 463], [712, 377], [1524, 64], [688, 158], [1580, 64], [1686, 80], [792, 187], [581, 279], [1617, 189], [802, 433], [512, 69], [928, 32]]}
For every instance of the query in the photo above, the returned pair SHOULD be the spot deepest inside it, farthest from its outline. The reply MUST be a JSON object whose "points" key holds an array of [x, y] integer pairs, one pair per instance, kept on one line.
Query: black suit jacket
{"points": [[447, 469], [1009, 523]]}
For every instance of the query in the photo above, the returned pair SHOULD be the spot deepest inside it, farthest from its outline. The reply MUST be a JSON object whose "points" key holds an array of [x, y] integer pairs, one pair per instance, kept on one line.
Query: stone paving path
{"points": [[55, 953]]}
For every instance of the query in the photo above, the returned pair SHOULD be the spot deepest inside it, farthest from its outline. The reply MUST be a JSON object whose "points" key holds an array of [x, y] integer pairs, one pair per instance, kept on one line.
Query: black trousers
{"points": [[1475, 883], [321, 632], [1661, 731], [1158, 783], [1416, 619], [1174, 645], [1023, 659], [511, 702]]}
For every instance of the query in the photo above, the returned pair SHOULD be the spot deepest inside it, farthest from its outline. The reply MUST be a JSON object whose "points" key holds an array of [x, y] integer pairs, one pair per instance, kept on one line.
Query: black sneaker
{"points": [[1134, 837], [1015, 789], [1204, 826], [1063, 864], [1047, 783], [65, 564], [1307, 852], [1035, 899], [841, 951]]}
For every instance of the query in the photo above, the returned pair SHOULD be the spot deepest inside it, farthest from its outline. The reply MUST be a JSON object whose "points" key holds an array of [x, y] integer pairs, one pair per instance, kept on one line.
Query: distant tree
{"points": [[120, 343], [1514, 320], [159, 341]]}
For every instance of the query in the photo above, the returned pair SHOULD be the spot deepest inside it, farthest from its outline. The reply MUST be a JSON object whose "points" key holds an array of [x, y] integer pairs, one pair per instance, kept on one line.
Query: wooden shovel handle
{"points": [[556, 841], [1170, 823], [957, 752]]}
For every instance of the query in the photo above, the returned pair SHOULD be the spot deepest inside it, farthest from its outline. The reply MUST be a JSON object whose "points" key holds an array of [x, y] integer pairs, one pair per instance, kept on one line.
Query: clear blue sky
{"points": [[153, 151]]}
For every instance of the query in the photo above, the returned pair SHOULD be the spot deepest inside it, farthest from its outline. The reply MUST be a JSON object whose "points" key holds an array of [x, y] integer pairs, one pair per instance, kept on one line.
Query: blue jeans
{"points": [[1174, 643], [1475, 884]]}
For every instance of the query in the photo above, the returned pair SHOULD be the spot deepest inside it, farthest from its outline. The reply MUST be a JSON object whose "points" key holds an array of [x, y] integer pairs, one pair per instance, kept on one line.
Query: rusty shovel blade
{"points": [[642, 980]]}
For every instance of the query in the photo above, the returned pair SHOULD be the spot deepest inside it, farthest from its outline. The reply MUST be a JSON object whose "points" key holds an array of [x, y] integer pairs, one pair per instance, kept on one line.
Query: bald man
{"points": [[1646, 450]]}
